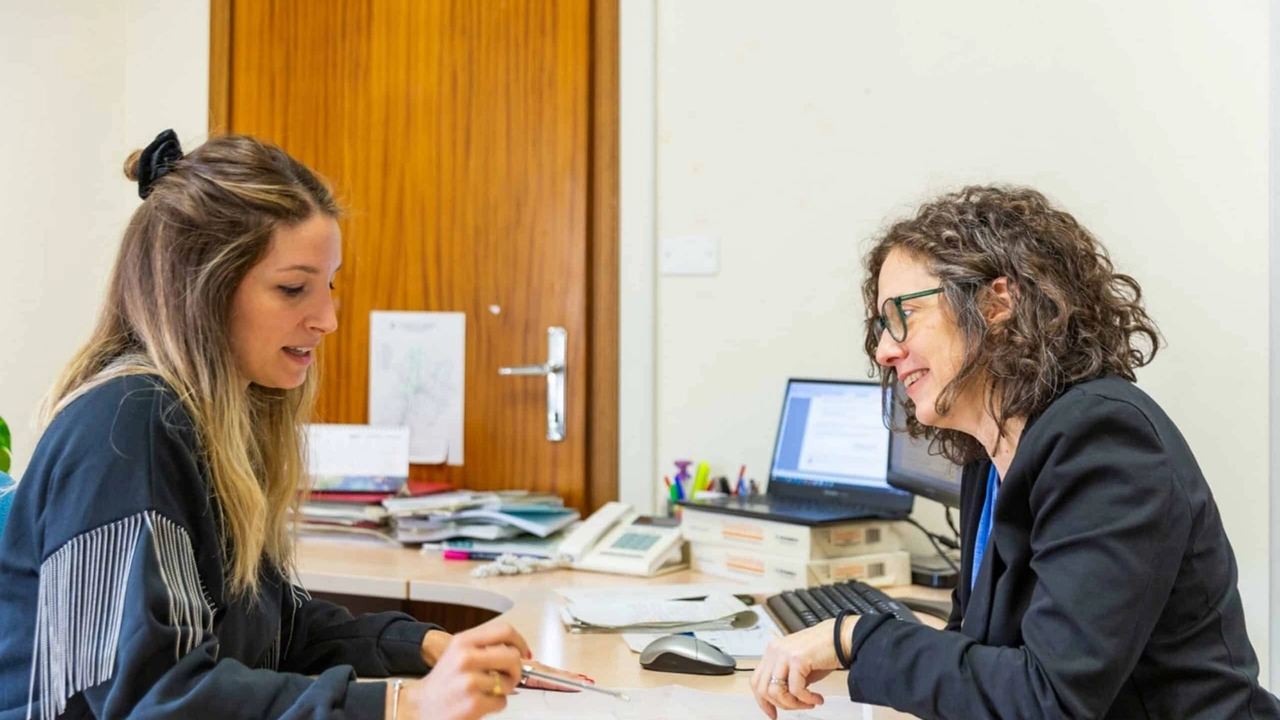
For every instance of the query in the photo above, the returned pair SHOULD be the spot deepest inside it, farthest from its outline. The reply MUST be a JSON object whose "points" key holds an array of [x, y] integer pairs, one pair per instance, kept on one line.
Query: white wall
{"points": [[1274, 345], [795, 131], [636, 209], [62, 194], [166, 73], [84, 83]]}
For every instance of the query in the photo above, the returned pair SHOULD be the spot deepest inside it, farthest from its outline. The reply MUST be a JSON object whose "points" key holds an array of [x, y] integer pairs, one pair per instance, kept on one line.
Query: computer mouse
{"points": [[685, 654]]}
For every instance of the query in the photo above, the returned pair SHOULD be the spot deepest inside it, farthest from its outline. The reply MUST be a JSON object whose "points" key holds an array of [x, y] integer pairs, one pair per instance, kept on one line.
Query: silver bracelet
{"points": [[395, 699]]}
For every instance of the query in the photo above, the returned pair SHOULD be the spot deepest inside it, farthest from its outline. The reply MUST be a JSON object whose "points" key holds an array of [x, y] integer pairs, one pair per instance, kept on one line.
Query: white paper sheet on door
{"points": [[417, 362]]}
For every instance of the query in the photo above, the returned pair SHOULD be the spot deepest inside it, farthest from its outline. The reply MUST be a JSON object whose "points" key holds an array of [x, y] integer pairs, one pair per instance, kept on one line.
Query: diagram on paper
{"points": [[417, 362]]}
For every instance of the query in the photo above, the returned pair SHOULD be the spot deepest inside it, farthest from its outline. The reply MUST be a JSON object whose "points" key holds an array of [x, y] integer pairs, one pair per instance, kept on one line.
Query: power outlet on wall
{"points": [[690, 255]]}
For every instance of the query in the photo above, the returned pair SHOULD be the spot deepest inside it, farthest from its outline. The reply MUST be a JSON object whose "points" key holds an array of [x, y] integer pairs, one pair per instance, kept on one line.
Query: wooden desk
{"points": [[528, 602]]}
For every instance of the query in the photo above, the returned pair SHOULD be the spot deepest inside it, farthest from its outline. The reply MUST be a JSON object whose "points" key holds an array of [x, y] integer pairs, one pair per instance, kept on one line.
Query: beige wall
{"points": [[793, 135], [84, 82]]}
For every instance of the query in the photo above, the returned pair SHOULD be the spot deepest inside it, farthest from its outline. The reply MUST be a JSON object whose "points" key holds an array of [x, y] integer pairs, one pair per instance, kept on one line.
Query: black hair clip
{"points": [[157, 160]]}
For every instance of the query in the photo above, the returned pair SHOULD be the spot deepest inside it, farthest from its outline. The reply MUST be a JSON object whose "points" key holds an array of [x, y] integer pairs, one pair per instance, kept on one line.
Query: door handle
{"points": [[554, 371]]}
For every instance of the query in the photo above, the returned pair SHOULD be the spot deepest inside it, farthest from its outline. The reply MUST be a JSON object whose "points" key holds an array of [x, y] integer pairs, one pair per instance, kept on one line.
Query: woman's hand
{"points": [[781, 680], [470, 679], [436, 642]]}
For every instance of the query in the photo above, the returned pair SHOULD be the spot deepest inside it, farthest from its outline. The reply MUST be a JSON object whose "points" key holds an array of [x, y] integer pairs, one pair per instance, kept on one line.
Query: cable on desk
{"points": [[934, 539], [952, 524]]}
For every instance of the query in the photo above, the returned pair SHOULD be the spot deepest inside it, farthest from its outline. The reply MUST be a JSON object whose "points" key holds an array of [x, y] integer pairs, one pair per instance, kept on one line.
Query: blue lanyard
{"points": [[984, 524]]}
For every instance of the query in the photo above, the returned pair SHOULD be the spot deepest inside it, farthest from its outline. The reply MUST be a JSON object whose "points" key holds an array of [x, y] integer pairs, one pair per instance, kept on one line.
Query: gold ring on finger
{"points": [[497, 684]]}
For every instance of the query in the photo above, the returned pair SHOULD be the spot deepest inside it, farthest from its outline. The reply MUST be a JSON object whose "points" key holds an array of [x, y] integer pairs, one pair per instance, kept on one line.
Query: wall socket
{"points": [[690, 255]]}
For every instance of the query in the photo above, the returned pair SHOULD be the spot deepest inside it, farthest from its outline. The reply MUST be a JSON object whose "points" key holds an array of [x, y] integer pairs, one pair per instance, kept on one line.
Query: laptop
{"points": [[830, 460]]}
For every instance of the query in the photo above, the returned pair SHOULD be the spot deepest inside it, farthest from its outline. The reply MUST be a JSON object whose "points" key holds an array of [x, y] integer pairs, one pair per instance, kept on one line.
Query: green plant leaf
{"points": [[6, 442]]}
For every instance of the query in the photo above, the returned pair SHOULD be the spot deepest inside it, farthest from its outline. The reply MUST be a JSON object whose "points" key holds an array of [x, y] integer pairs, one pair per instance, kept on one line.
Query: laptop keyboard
{"points": [[811, 506], [806, 607]]}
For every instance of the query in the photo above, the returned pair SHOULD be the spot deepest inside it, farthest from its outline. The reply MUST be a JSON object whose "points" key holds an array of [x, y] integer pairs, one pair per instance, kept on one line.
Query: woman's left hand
{"points": [[781, 680], [436, 641]]}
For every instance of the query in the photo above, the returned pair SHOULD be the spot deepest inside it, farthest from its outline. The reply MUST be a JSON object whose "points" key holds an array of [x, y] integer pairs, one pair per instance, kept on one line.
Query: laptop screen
{"points": [[832, 434]]}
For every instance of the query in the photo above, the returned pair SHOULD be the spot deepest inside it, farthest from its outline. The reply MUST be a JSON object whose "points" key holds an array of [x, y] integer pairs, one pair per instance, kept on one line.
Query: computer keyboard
{"points": [[806, 607]]}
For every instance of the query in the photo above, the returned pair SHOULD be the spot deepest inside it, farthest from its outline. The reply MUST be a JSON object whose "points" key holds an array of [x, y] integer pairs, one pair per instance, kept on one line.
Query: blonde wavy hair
{"points": [[185, 252]]}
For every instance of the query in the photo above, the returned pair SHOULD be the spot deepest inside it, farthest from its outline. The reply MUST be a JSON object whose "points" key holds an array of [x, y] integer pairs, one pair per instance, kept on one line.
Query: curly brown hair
{"points": [[1073, 316]]}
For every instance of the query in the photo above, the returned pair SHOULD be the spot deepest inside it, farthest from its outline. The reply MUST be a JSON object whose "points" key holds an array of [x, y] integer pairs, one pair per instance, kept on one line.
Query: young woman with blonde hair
{"points": [[146, 567]]}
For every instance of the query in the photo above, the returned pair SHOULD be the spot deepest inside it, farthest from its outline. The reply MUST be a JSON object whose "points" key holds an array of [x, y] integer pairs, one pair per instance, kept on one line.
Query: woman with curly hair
{"points": [[1096, 580]]}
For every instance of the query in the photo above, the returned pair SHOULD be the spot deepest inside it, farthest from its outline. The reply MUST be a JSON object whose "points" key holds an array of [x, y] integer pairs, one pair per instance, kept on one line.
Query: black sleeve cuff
{"points": [[401, 646], [366, 701], [867, 624]]}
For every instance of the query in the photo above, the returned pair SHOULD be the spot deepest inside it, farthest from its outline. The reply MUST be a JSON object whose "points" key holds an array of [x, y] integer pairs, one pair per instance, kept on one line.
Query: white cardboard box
{"points": [[879, 569], [799, 542]]}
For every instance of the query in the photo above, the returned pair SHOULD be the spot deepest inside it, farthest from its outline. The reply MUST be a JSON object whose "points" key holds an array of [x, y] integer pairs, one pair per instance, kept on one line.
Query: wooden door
{"points": [[473, 145]]}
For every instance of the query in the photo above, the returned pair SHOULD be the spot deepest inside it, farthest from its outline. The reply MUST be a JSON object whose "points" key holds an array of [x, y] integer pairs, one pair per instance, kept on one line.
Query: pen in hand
{"points": [[528, 672]]}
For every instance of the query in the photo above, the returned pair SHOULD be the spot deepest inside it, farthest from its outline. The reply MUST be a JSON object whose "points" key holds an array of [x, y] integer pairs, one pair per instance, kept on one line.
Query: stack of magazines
{"points": [[477, 515], [360, 513]]}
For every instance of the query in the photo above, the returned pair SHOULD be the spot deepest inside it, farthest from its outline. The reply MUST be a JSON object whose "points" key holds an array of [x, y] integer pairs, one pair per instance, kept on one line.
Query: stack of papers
{"points": [[478, 516], [717, 611], [343, 513], [412, 531], [442, 502], [467, 500], [358, 513]]}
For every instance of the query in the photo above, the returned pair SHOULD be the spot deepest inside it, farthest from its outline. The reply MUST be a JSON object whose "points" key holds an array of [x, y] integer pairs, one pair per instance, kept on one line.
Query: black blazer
{"points": [[1108, 589]]}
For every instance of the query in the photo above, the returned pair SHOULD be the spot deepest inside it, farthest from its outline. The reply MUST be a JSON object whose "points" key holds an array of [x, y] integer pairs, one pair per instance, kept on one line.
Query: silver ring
{"points": [[775, 680]]}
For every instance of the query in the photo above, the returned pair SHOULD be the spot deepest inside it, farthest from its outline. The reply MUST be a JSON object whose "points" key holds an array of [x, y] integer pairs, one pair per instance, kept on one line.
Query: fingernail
{"points": [[528, 655]]}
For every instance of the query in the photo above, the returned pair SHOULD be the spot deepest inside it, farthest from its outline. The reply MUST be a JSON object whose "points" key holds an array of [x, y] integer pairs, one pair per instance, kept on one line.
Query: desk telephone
{"points": [[617, 539]]}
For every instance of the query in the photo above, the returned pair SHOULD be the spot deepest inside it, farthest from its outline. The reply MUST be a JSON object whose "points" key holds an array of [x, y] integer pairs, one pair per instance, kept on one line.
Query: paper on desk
{"points": [[741, 619], [416, 371], [625, 613], [650, 591], [358, 457], [748, 643], [670, 701]]}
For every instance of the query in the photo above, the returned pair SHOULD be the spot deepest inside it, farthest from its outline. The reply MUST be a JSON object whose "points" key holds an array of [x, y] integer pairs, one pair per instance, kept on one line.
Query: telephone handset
{"points": [[617, 539]]}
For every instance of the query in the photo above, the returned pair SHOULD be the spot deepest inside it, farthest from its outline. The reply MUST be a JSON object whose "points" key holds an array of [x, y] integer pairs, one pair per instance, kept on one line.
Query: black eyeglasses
{"points": [[896, 322]]}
